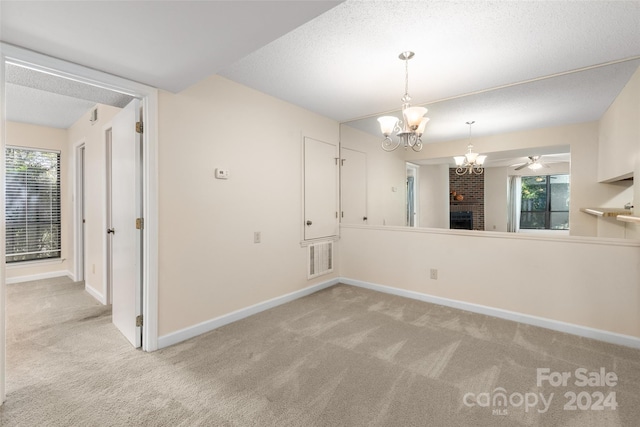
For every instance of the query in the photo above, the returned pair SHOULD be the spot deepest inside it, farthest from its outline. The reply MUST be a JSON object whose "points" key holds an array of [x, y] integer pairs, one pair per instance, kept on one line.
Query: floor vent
{"points": [[320, 259]]}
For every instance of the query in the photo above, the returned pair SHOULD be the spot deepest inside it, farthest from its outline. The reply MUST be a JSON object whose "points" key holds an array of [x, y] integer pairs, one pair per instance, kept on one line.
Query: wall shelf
{"points": [[606, 212], [629, 218]]}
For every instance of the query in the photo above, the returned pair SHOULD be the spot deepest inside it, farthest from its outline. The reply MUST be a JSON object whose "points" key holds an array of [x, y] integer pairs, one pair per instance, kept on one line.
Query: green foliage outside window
{"points": [[545, 202]]}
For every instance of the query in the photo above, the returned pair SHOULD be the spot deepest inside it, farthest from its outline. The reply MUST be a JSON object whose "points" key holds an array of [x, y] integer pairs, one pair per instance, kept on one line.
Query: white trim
{"points": [[41, 276], [77, 213], [106, 289], [209, 325], [501, 235], [34, 263], [555, 325], [97, 295], [150, 215], [3, 287]]}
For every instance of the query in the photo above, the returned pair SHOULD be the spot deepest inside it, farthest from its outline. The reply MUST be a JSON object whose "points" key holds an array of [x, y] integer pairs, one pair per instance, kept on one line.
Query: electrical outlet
{"points": [[433, 273], [257, 237]]}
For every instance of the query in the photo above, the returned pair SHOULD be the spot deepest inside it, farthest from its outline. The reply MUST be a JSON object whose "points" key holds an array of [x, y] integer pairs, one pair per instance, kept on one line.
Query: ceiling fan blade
{"points": [[544, 165], [522, 166]]}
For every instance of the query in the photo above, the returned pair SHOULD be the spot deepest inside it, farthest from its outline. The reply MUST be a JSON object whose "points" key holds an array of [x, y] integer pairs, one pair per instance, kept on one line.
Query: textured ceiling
{"points": [[28, 105], [344, 64], [165, 44], [47, 100]]}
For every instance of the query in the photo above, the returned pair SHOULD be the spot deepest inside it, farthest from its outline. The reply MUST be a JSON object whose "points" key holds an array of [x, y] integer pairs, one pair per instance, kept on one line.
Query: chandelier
{"points": [[471, 162], [410, 131]]}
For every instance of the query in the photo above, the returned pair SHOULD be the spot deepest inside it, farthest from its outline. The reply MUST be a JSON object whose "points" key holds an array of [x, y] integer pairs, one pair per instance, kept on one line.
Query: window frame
{"points": [[55, 214], [547, 211]]}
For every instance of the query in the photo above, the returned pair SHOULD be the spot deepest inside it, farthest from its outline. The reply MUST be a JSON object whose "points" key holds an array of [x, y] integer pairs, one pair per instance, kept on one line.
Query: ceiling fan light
{"points": [[413, 116], [535, 166], [387, 124]]}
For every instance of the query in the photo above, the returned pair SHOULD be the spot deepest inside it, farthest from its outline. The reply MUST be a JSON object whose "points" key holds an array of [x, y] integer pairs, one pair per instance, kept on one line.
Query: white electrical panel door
{"points": [[353, 180], [320, 189]]}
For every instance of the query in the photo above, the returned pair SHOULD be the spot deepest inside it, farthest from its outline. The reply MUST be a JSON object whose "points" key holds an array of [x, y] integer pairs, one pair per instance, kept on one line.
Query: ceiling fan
{"points": [[533, 163]]}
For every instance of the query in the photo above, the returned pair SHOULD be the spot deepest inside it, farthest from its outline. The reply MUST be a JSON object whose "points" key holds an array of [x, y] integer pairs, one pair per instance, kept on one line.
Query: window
{"points": [[32, 204], [545, 202]]}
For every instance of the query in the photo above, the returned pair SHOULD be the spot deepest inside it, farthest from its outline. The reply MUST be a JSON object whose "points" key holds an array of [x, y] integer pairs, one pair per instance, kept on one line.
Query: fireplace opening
{"points": [[461, 220]]}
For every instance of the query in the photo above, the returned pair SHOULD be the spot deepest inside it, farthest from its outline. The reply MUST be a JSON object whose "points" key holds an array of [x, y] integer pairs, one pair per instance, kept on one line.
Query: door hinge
{"points": [[139, 320], [139, 127], [139, 223]]}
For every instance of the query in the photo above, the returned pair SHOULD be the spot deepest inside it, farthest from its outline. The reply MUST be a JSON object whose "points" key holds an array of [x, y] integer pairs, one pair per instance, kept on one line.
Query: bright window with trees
{"points": [[32, 204], [545, 202]]}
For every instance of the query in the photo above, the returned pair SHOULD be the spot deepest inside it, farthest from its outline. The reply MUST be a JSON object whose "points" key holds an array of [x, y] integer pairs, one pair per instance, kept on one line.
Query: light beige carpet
{"points": [[341, 357]]}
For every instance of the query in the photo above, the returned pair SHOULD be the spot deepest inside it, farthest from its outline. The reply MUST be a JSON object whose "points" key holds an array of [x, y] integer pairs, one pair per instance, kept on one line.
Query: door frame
{"points": [[149, 99], [79, 240]]}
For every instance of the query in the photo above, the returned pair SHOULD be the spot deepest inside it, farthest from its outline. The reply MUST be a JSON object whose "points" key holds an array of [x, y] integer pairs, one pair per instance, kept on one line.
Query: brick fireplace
{"points": [[471, 187]]}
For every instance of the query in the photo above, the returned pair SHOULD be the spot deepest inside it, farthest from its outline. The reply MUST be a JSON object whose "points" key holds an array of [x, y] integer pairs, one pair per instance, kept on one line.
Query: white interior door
{"points": [[320, 189], [109, 219], [126, 207], [354, 186]]}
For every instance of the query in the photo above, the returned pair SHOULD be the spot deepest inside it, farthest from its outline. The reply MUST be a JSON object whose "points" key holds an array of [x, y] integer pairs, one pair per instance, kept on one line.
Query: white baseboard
{"points": [[41, 276], [97, 295], [209, 325], [555, 325]]}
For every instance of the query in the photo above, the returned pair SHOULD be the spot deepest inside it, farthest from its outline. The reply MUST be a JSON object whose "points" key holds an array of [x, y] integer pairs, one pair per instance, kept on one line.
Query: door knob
{"points": [[111, 231], [309, 222], [364, 218]]}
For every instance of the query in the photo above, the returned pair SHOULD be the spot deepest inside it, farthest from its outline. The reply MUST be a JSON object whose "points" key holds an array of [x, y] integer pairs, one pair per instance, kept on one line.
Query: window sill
{"points": [[34, 263], [541, 231]]}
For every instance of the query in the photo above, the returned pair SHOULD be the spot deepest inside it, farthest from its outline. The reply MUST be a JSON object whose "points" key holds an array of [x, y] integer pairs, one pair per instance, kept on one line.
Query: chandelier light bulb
{"points": [[413, 116], [387, 124]]}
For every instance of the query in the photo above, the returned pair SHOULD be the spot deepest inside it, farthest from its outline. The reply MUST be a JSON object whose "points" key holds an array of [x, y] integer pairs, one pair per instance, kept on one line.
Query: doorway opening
{"points": [[75, 74], [412, 195]]}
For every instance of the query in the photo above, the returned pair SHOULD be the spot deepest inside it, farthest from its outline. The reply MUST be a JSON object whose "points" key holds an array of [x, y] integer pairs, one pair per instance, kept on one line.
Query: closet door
{"points": [[320, 189]]}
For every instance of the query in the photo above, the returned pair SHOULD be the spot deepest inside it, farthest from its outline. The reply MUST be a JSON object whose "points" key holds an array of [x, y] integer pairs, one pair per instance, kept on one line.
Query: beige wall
{"points": [[495, 198], [93, 136], [619, 133], [619, 152], [433, 196], [208, 263], [586, 282], [385, 171], [32, 136]]}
